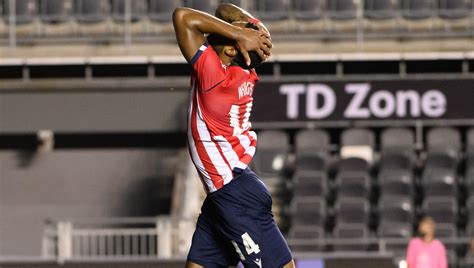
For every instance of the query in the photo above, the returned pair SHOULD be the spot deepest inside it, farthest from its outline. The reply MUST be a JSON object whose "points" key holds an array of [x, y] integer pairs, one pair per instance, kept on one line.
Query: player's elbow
{"points": [[178, 15]]}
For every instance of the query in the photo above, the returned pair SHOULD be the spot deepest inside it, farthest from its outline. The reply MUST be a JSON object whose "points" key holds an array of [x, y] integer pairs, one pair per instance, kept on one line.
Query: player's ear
{"points": [[230, 51]]}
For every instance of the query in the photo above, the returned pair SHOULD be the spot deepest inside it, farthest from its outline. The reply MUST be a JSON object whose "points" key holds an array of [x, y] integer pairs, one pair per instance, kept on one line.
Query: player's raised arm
{"points": [[192, 25], [232, 13]]}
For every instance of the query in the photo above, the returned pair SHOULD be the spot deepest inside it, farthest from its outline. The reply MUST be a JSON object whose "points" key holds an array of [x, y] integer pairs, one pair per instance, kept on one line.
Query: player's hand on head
{"points": [[253, 40]]}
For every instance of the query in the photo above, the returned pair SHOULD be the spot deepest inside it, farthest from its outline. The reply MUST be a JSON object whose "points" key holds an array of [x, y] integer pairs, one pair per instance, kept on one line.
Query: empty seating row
{"points": [[160, 10]]}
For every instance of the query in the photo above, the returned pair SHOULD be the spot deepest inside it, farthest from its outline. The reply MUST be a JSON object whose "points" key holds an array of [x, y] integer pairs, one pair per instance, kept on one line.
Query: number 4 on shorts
{"points": [[249, 245]]}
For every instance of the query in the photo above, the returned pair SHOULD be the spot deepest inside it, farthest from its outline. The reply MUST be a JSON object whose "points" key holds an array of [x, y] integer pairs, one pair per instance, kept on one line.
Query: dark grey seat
{"points": [[25, 11], [161, 10], [396, 183], [235, 2], [396, 209], [353, 184], [381, 9], [357, 136], [358, 232], [55, 11], [441, 209], [272, 153], [308, 211], [310, 184], [304, 233], [352, 211], [311, 149], [417, 9], [308, 9], [138, 9], [273, 10], [353, 164], [91, 11], [440, 182], [445, 141], [398, 144], [454, 9], [342, 9], [446, 230], [395, 230], [207, 6]]}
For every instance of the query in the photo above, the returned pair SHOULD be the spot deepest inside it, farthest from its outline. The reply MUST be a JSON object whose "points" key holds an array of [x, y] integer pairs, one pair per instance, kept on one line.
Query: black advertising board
{"points": [[368, 100]]}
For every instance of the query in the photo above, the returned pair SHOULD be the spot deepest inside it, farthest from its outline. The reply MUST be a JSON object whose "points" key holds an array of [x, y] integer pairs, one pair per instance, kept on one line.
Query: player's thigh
{"points": [[208, 247], [251, 229]]}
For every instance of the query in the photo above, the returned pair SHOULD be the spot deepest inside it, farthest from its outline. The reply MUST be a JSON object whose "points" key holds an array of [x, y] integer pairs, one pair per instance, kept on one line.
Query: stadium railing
{"points": [[112, 238]]}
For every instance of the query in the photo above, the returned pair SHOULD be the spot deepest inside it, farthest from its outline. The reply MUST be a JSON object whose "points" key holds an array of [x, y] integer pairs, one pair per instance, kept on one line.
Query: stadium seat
{"points": [[273, 10], [161, 10], [56, 10], [440, 182], [306, 233], [446, 230], [454, 9], [311, 150], [342, 9], [308, 212], [358, 143], [272, 153], [25, 10], [308, 9], [310, 184], [357, 232], [137, 10], [381, 9], [398, 143], [445, 141], [395, 230], [441, 209], [470, 140], [353, 184], [394, 209], [235, 2], [352, 211], [399, 183], [417, 9], [353, 165], [208, 6], [91, 11]]}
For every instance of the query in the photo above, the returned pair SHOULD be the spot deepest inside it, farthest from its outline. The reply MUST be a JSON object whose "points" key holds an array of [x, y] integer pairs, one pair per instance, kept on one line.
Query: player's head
{"points": [[227, 51]]}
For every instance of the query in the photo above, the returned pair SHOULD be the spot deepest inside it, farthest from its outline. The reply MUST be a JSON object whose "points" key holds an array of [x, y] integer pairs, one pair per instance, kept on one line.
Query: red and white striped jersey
{"points": [[219, 133]]}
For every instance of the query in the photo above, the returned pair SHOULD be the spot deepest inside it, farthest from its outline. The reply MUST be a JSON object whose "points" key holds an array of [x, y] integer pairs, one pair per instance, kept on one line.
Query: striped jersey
{"points": [[219, 133]]}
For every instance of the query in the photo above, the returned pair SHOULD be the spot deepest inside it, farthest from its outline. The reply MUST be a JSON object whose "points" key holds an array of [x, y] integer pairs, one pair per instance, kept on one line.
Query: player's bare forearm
{"points": [[192, 25], [231, 13]]}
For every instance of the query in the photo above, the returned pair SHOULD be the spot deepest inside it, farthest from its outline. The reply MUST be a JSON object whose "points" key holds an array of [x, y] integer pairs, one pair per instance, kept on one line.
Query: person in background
{"points": [[425, 251]]}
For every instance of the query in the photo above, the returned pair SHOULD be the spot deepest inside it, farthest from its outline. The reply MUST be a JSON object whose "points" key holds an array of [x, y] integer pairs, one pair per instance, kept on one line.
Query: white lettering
{"points": [[354, 109], [312, 97], [246, 89], [382, 104], [433, 103], [292, 101], [405, 99]]}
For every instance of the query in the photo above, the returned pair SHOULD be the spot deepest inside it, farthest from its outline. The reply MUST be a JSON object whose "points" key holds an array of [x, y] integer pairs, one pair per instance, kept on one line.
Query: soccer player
{"points": [[236, 223]]}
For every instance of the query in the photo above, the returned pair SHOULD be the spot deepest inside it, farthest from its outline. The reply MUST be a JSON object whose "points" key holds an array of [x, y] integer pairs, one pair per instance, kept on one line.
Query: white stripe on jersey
{"points": [[194, 154], [228, 151], [221, 166]]}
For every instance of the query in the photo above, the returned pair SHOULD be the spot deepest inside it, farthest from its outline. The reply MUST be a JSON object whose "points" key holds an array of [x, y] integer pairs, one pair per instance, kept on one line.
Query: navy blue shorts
{"points": [[236, 225]]}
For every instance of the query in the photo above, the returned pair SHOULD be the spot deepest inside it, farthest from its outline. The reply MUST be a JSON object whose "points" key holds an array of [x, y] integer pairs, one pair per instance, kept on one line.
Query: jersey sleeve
{"points": [[208, 67]]}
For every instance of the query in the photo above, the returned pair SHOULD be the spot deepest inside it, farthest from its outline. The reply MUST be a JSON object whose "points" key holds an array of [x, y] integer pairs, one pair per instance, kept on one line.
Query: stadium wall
{"points": [[35, 187]]}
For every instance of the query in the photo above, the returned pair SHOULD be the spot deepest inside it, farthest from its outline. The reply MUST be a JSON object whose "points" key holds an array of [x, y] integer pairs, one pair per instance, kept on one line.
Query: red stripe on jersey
{"points": [[218, 181]]}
